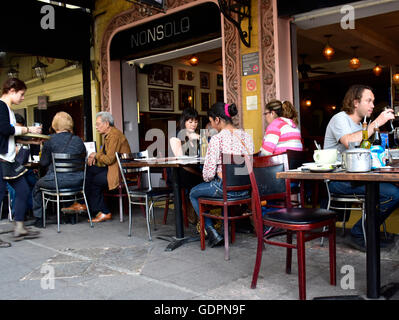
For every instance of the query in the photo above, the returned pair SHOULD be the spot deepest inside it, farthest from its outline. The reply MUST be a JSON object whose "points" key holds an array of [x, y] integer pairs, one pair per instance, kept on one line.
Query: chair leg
{"points": [[226, 234], [258, 260], [44, 211], [130, 219], [147, 214], [202, 228], [165, 212], [58, 214], [288, 260], [88, 210], [120, 208], [10, 218], [301, 265], [332, 253]]}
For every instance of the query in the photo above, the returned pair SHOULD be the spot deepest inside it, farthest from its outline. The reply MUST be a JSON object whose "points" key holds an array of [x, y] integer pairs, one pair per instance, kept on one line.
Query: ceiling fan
{"points": [[305, 68]]}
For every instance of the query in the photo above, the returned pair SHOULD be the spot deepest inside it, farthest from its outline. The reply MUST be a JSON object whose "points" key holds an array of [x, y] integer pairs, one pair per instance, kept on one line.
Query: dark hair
{"points": [[187, 114], [13, 83], [283, 109], [219, 110], [355, 92], [19, 119]]}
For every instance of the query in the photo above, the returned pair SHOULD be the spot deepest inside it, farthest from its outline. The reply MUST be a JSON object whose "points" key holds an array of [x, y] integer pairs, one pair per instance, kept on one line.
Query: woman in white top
{"points": [[13, 93], [229, 140]]}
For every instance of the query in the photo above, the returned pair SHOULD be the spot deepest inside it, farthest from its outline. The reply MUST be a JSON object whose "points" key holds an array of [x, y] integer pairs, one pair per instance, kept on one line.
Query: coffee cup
{"points": [[325, 156]]}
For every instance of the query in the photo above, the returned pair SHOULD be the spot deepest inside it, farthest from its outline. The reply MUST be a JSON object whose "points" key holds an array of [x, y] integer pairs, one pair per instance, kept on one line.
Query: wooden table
{"points": [[371, 180], [173, 163]]}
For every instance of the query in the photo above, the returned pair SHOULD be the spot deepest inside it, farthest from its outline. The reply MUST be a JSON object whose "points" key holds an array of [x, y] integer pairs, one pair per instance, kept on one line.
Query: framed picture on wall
{"points": [[160, 75], [160, 99], [181, 74], [219, 80], [205, 101], [186, 97], [204, 80], [219, 96]]}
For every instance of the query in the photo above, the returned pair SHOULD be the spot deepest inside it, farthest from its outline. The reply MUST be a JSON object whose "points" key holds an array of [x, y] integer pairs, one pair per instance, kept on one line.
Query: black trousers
{"points": [[22, 193], [96, 183]]}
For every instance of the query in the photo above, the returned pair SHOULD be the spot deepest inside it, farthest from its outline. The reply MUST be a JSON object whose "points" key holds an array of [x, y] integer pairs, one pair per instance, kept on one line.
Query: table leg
{"points": [[373, 240], [179, 240]]}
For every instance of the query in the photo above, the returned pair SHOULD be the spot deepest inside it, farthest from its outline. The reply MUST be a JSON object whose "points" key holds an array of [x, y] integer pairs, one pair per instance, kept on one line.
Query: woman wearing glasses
{"points": [[282, 132]]}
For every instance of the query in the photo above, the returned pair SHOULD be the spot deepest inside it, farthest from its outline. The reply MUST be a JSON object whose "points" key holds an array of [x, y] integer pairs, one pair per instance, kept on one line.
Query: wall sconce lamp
{"points": [[40, 69], [193, 60], [354, 63], [308, 102], [328, 51], [377, 68]]}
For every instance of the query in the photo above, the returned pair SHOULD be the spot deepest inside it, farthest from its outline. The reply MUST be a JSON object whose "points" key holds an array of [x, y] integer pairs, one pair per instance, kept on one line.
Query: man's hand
{"points": [[385, 116], [91, 159]]}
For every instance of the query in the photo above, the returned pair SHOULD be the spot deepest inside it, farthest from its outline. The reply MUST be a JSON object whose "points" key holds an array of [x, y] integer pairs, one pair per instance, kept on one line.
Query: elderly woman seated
{"points": [[63, 141]]}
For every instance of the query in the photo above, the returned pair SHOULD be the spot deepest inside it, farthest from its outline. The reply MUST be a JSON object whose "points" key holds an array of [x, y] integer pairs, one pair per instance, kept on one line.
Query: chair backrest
{"points": [[130, 172], [269, 187], [235, 174], [68, 163], [265, 185], [297, 158]]}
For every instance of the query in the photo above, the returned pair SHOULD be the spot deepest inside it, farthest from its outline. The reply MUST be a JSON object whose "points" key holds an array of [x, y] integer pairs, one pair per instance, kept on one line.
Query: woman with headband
{"points": [[228, 140], [282, 132]]}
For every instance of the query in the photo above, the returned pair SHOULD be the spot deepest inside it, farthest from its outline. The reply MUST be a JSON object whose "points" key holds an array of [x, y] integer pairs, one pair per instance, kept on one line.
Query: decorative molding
{"points": [[232, 54], [267, 50]]}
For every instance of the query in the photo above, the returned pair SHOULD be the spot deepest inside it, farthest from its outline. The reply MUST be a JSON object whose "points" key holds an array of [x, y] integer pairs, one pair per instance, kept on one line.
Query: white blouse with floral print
{"points": [[226, 141]]}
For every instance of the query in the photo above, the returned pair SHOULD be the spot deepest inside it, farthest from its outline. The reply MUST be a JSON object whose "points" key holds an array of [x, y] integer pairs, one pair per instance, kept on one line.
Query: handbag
{"points": [[12, 170]]}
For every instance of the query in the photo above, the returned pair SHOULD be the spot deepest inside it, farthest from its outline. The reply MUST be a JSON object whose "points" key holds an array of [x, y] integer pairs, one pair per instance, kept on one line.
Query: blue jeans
{"points": [[389, 199], [212, 189]]}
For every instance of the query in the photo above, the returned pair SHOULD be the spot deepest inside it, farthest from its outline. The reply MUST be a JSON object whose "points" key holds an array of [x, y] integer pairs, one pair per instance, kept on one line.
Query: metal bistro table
{"points": [[371, 180], [174, 163]]}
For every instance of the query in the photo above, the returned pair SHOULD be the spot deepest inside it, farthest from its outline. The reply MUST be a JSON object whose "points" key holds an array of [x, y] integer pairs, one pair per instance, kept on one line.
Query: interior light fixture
{"points": [[395, 78], [328, 51], [308, 102], [193, 60], [354, 63], [40, 69], [377, 68]]}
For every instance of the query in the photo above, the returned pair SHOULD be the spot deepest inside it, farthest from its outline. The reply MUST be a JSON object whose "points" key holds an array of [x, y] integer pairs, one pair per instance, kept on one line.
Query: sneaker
{"points": [[357, 243]]}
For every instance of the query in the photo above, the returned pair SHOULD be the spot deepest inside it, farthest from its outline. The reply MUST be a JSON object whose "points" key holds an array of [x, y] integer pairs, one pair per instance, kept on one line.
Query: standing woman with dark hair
{"points": [[282, 132], [13, 93], [229, 140]]}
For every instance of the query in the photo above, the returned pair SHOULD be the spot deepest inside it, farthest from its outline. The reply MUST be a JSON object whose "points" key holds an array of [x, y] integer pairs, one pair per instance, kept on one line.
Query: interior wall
{"points": [[129, 101], [142, 85]]}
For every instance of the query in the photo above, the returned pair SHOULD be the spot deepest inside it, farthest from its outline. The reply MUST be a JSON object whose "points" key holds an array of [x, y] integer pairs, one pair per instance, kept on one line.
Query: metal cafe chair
{"points": [[235, 178], [65, 163], [136, 193], [305, 223], [10, 218], [345, 202]]}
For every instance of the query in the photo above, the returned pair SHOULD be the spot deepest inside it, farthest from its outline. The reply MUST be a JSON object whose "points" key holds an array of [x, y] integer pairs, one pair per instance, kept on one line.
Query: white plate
{"points": [[311, 164], [321, 168]]}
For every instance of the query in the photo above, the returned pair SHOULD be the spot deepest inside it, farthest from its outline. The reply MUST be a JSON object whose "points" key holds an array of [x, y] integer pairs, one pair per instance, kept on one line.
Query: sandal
{"points": [[29, 235], [4, 244]]}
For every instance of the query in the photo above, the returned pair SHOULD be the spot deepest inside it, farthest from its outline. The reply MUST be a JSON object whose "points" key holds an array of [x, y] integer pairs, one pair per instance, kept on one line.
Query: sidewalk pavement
{"points": [[104, 263]]}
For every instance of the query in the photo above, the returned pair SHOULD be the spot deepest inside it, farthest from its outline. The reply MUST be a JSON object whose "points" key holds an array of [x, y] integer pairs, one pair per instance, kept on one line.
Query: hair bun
{"points": [[233, 109]]}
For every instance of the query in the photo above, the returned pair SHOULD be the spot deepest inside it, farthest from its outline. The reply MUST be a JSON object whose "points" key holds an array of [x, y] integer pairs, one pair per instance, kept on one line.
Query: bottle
{"points": [[377, 137], [203, 143], [365, 137]]}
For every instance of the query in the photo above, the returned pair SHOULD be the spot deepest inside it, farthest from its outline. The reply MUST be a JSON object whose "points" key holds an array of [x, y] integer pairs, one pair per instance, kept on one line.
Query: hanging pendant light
{"points": [[354, 63], [377, 68], [328, 51], [40, 69]]}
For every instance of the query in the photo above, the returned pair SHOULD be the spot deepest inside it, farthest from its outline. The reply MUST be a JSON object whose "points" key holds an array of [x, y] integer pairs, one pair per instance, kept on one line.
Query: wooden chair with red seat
{"points": [[304, 222], [235, 178]]}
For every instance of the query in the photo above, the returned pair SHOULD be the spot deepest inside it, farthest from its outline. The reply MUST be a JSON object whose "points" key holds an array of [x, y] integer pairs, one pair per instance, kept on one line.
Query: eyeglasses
{"points": [[267, 112]]}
